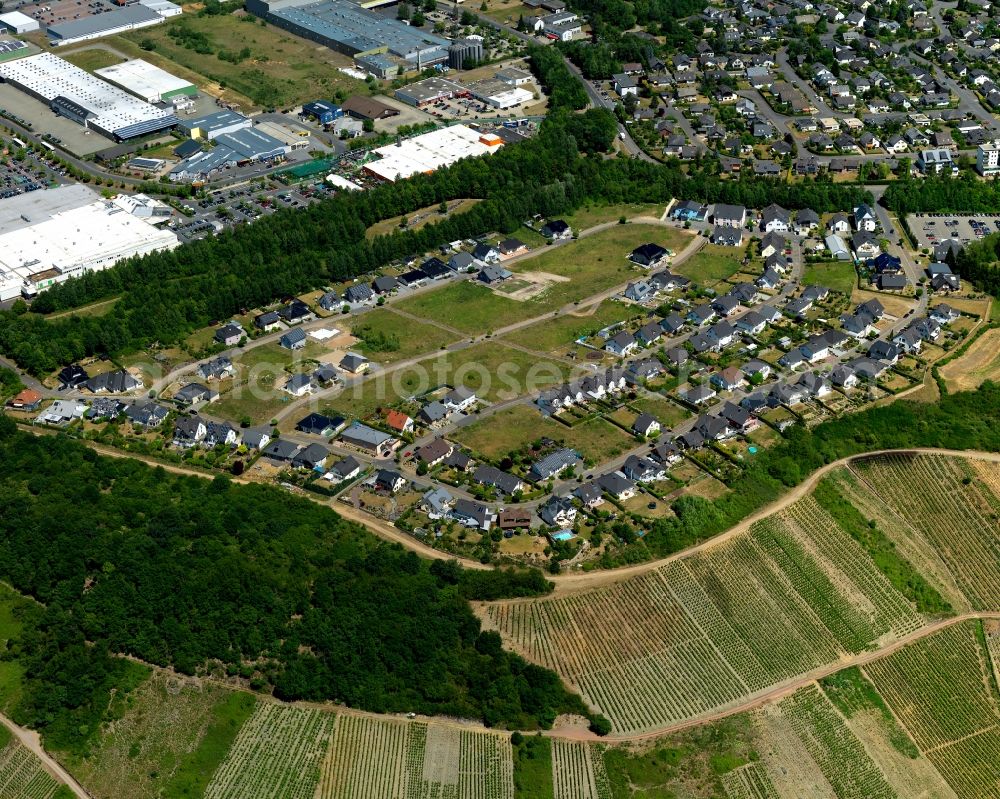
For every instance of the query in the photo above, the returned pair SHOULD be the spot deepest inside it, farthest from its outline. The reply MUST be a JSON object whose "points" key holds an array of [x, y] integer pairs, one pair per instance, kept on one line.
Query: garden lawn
{"points": [[667, 413], [835, 275]]}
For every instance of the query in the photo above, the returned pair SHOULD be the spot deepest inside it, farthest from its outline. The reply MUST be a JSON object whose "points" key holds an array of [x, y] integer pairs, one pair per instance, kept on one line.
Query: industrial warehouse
{"points": [[355, 31], [118, 20], [244, 146], [49, 236], [76, 94], [431, 151], [147, 81]]}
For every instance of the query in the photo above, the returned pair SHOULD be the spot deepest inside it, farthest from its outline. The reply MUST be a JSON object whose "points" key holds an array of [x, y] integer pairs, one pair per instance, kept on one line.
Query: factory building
{"points": [[243, 146], [117, 20], [16, 22], [212, 125], [78, 95], [49, 236], [498, 94], [430, 90], [351, 29], [147, 81], [431, 151]]}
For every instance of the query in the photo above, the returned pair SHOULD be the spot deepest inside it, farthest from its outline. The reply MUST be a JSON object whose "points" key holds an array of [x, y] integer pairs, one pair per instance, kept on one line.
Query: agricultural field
{"points": [[948, 506], [22, 775], [703, 632], [371, 758], [277, 753], [511, 429], [578, 771]]}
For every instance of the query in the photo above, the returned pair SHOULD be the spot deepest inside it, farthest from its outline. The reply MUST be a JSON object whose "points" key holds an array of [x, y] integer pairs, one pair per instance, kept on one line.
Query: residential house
{"points": [[474, 514], [643, 470], [189, 431], [437, 503], [194, 393], [729, 215], [369, 440], [434, 452], [727, 236], [116, 382], [267, 321], [495, 478], [617, 486], [72, 376], [554, 464], [389, 480], [621, 344], [346, 469], [645, 425], [492, 274], [774, 218], [216, 369], [318, 424], [26, 400], [293, 340], [557, 229], [354, 364], [460, 399], [647, 255], [146, 414], [230, 334], [729, 379], [298, 385], [359, 294], [558, 512]]}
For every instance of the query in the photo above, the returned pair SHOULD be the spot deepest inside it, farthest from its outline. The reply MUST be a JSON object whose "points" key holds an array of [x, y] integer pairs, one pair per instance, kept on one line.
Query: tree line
{"points": [[962, 194]]}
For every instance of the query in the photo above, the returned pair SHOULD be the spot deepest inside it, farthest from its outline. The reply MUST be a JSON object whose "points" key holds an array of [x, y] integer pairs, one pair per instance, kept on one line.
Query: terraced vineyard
{"points": [[705, 631], [370, 758], [943, 690], [22, 775], [276, 754], [578, 771]]}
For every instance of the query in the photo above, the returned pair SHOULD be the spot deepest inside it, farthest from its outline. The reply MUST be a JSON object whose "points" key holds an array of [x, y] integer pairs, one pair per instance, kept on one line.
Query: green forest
{"points": [[186, 572]]}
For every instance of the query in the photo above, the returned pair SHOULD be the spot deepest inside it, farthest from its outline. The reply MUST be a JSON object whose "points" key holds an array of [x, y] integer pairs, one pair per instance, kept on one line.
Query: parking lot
{"points": [[932, 229], [51, 12]]}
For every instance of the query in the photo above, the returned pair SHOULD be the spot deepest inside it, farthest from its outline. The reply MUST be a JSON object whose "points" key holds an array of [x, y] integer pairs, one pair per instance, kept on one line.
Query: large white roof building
{"points": [[49, 236], [431, 151], [79, 95], [146, 81]]}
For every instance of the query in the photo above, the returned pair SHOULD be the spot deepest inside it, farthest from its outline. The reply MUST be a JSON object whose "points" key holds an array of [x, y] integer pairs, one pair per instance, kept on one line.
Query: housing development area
{"points": [[529, 399]]}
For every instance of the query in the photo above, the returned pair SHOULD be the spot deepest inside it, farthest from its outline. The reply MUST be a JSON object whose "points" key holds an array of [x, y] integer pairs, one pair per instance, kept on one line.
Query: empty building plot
{"points": [[147, 81], [84, 98], [49, 236], [431, 151]]}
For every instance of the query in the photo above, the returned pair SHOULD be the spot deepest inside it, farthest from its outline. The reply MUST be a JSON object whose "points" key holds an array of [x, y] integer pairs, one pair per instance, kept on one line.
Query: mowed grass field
{"points": [[981, 362], [711, 264], [420, 217], [495, 372], [835, 275], [550, 335], [801, 588], [511, 429], [415, 338], [591, 265], [282, 70]]}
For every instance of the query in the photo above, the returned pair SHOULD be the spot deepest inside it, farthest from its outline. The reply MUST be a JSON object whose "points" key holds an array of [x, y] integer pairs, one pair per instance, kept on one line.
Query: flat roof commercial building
{"points": [[94, 103], [349, 28], [212, 125], [430, 151], [16, 22], [146, 81], [430, 90], [498, 94], [49, 236], [117, 20]]}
